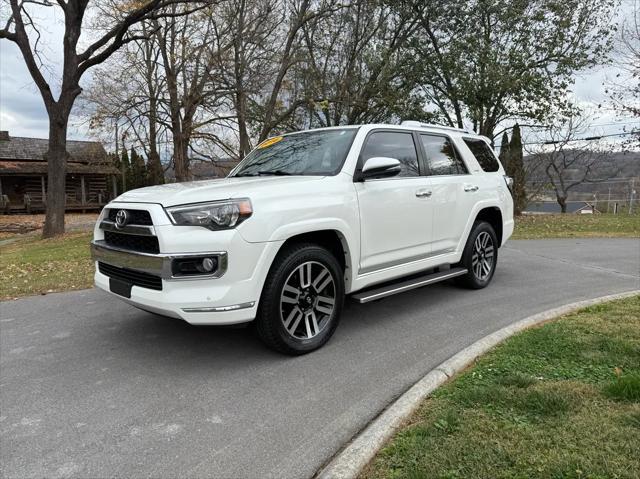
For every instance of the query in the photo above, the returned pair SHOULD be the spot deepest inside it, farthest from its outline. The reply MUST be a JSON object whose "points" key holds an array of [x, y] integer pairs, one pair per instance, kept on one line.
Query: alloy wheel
{"points": [[482, 257], [307, 300]]}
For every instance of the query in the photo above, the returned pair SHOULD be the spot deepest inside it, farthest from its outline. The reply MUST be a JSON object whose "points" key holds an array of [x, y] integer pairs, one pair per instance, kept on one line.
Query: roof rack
{"points": [[419, 124]]}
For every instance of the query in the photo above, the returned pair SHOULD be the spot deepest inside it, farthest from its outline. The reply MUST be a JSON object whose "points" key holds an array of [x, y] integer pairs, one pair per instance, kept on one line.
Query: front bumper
{"points": [[184, 300], [227, 296]]}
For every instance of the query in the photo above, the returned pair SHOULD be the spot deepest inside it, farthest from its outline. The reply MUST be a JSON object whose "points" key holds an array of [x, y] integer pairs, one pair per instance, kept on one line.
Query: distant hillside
{"points": [[614, 172]]}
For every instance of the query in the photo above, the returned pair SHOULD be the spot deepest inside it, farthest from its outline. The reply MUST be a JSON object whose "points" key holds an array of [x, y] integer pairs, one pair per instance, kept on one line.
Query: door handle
{"points": [[471, 187], [423, 193]]}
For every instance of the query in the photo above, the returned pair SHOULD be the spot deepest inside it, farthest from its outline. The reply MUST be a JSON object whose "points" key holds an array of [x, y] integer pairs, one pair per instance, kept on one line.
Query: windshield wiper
{"points": [[246, 174], [274, 173]]}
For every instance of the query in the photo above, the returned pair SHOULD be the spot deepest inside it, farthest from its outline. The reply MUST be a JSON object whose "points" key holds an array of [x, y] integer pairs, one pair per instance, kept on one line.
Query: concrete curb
{"points": [[349, 462]]}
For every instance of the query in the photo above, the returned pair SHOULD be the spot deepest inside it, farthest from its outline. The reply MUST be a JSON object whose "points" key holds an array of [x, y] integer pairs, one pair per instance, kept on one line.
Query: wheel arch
{"points": [[332, 240], [493, 216]]}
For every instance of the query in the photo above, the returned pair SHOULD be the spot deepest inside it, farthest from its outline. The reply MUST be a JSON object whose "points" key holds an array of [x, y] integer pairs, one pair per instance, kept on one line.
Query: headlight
{"points": [[218, 215]]}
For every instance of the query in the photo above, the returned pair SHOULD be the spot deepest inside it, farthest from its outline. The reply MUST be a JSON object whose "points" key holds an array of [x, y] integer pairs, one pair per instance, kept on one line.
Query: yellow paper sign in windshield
{"points": [[269, 142]]}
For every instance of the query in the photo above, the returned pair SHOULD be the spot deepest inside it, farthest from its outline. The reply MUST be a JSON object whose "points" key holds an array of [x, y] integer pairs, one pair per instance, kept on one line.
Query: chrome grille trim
{"points": [[131, 229], [155, 264]]}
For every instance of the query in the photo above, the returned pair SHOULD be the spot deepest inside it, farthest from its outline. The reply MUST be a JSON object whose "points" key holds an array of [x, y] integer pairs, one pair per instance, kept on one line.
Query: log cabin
{"points": [[90, 180]]}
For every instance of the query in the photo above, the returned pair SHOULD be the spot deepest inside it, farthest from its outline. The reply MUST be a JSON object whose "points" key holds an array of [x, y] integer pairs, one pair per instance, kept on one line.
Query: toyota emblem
{"points": [[122, 218]]}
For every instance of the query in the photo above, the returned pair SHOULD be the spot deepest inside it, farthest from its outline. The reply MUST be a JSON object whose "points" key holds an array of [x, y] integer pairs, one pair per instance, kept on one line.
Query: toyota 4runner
{"points": [[305, 219]]}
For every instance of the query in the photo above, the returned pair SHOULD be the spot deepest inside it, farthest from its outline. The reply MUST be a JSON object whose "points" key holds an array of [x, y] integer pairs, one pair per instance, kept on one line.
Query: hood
{"points": [[173, 194]]}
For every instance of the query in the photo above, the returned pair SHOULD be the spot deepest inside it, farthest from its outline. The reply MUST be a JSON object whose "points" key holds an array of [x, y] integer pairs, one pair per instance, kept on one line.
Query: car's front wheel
{"points": [[301, 300], [480, 256]]}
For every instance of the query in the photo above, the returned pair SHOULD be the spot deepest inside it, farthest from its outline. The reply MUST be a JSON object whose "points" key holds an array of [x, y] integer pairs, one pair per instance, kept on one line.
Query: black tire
{"points": [[271, 320], [473, 279]]}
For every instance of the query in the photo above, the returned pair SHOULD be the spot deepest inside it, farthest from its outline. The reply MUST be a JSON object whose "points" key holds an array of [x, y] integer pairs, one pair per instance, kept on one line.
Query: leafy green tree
{"points": [[515, 169], [504, 150], [486, 61]]}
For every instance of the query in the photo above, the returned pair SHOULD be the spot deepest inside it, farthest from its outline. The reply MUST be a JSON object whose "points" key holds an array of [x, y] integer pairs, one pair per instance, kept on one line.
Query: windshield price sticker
{"points": [[270, 141]]}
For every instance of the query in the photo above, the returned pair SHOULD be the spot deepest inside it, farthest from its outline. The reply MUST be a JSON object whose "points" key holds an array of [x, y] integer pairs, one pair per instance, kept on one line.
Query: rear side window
{"points": [[393, 145], [483, 154], [441, 156]]}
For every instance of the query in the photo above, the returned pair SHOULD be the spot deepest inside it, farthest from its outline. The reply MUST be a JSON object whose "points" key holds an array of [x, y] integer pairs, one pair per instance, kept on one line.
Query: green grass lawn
{"points": [[31, 265], [577, 226], [558, 401]]}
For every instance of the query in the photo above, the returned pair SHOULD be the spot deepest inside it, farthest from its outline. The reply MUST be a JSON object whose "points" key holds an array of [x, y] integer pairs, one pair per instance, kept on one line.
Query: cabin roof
{"points": [[23, 155]]}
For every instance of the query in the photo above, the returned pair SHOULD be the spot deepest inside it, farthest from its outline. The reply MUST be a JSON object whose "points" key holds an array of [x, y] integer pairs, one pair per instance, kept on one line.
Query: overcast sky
{"points": [[22, 111]]}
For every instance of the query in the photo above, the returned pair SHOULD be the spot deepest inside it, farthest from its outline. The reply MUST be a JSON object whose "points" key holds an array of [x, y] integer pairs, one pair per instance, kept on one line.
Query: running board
{"points": [[391, 289]]}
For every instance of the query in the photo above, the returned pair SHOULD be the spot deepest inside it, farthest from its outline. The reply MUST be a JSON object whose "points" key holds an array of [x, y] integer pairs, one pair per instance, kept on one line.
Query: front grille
{"points": [[142, 244], [137, 278], [136, 217]]}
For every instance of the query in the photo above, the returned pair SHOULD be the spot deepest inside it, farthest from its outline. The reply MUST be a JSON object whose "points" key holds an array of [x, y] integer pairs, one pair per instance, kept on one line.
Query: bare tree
{"points": [[298, 13], [255, 27], [128, 98], [624, 90], [189, 50], [25, 33], [568, 158], [357, 69]]}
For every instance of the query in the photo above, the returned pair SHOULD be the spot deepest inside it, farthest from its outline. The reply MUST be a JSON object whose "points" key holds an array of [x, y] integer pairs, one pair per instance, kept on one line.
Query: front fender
{"points": [[345, 232]]}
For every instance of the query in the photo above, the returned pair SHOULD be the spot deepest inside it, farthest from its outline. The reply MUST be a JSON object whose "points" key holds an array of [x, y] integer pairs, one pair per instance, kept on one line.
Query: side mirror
{"points": [[380, 167]]}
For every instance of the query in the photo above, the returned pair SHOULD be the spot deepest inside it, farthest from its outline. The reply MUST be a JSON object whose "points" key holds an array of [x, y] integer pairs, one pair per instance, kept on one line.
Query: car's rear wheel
{"points": [[480, 256], [301, 301]]}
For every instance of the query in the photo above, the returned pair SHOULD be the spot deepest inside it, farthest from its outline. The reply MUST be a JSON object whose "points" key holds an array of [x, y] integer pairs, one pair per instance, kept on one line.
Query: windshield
{"points": [[310, 153]]}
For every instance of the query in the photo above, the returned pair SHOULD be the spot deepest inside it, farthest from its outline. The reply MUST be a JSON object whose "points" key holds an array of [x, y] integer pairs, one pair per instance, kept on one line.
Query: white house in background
{"points": [[587, 209]]}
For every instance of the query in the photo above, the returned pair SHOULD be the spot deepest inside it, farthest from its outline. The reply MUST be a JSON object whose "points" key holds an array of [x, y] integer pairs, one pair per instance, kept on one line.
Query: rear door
{"points": [[452, 200], [396, 212], [488, 181]]}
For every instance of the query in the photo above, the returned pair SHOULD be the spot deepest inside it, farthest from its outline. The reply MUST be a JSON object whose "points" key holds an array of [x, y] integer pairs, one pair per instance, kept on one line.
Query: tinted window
{"points": [[310, 153], [393, 145], [441, 156], [483, 154]]}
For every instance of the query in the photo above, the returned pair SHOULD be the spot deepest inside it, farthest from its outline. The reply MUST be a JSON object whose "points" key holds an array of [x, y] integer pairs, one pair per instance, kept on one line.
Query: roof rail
{"points": [[419, 124]]}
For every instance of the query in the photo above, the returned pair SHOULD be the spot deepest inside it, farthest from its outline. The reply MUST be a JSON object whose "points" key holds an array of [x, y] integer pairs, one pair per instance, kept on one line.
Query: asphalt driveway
{"points": [[91, 387]]}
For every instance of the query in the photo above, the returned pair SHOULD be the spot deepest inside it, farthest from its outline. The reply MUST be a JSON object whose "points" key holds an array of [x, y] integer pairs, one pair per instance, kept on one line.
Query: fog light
{"points": [[194, 266], [208, 265]]}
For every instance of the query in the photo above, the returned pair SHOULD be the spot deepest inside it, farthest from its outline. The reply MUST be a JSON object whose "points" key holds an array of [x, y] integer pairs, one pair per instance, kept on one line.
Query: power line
{"points": [[587, 138], [592, 138], [626, 122], [589, 181]]}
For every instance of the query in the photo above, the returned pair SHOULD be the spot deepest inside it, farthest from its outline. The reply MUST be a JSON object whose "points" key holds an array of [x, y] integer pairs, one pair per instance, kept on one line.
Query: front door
{"points": [[395, 213]]}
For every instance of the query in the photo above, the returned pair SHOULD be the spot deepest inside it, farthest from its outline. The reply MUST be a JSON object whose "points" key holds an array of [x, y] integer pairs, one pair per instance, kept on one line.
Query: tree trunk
{"points": [[239, 64], [155, 174], [56, 173], [154, 167], [243, 134], [180, 156], [562, 201]]}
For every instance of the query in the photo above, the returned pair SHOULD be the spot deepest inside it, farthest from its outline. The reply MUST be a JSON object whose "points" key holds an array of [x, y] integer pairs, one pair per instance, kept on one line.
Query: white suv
{"points": [[305, 219]]}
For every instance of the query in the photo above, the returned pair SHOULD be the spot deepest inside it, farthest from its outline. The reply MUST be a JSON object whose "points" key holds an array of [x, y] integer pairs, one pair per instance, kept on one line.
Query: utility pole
{"points": [[609, 200], [632, 192]]}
